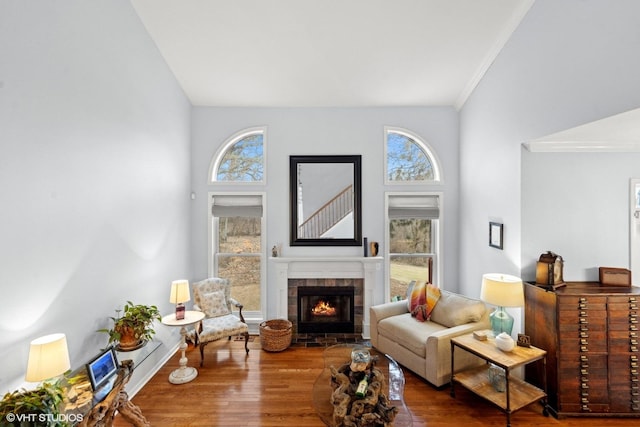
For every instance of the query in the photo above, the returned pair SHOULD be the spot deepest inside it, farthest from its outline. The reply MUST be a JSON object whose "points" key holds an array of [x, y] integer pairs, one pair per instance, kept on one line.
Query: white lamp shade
{"points": [[502, 290], [179, 292], [48, 357]]}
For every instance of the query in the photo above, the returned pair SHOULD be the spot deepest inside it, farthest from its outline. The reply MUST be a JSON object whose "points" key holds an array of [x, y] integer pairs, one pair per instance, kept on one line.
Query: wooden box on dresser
{"points": [[591, 334]]}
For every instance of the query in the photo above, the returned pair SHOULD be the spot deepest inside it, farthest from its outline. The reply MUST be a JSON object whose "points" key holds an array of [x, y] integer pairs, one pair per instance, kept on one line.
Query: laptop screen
{"points": [[101, 368]]}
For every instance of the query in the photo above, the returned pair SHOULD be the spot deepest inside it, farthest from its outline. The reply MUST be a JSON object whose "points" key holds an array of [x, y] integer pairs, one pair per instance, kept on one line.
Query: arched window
{"points": [[408, 159], [241, 158]]}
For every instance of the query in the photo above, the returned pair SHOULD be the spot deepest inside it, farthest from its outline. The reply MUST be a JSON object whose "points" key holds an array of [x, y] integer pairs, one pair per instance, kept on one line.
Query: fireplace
{"points": [[363, 273], [326, 309]]}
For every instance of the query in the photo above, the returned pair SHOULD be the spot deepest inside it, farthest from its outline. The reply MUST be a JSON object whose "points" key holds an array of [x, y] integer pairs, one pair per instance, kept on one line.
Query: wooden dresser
{"points": [[592, 337]]}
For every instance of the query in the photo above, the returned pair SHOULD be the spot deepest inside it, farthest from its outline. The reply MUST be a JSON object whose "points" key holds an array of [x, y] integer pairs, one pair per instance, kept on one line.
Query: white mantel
{"points": [[323, 267]]}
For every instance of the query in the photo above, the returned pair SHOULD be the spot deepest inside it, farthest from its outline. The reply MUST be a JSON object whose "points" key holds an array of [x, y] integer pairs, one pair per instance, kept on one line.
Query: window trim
{"points": [[252, 317], [436, 234], [438, 175], [214, 165]]}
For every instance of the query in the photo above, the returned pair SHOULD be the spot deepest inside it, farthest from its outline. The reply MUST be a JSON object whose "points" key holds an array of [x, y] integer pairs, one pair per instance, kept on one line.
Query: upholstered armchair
{"points": [[213, 297]]}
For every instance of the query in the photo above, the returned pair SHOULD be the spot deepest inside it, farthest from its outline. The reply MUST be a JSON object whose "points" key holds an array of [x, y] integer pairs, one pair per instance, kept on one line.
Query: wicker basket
{"points": [[275, 335]]}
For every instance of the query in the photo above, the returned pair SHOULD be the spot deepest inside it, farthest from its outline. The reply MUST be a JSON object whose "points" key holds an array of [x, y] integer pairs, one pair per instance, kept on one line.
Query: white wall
{"points": [[568, 63], [94, 175], [323, 131], [588, 195]]}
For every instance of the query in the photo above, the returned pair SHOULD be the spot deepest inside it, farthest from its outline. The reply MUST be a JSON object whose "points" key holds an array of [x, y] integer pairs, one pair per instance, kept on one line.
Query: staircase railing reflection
{"points": [[328, 215]]}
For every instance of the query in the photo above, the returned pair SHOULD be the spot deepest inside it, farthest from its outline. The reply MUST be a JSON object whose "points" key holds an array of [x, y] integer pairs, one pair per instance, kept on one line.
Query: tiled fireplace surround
{"points": [[361, 272], [292, 298]]}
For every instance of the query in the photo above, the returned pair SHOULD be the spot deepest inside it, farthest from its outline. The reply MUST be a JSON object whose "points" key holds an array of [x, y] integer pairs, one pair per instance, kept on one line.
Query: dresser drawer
{"points": [[567, 302], [583, 345], [596, 318], [623, 342], [582, 372], [624, 316], [629, 300], [594, 393]]}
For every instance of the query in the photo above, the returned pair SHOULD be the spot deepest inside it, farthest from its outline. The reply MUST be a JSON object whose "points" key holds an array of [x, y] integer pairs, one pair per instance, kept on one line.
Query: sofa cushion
{"points": [[408, 332], [421, 299], [454, 310]]}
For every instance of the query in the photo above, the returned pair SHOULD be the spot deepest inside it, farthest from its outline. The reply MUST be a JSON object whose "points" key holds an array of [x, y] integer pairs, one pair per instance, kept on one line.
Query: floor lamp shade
{"points": [[48, 358], [502, 290]]}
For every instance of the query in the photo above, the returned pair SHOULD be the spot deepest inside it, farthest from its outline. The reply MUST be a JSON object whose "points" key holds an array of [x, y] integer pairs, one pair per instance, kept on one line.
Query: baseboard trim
{"points": [[134, 387]]}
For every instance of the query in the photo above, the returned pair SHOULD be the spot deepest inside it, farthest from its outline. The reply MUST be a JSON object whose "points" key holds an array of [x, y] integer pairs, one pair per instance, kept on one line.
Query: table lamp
{"points": [[48, 358], [179, 295], [503, 291]]}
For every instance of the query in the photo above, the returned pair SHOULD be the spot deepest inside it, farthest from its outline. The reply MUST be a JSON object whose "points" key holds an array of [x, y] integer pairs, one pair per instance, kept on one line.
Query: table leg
{"points": [[131, 412], [506, 372], [184, 373], [452, 392]]}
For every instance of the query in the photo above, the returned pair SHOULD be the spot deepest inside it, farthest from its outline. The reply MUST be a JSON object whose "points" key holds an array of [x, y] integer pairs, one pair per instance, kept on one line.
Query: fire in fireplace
{"points": [[326, 309], [323, 308]]}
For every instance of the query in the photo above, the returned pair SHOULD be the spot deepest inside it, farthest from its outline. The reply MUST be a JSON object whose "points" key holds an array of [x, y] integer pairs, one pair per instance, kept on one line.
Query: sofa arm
{"points": [[438, 368], [382, 311]]}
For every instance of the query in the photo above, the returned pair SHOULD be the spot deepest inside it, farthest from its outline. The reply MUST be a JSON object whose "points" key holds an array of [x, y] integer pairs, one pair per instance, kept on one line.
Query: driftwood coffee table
{"points": [[337, 356]]}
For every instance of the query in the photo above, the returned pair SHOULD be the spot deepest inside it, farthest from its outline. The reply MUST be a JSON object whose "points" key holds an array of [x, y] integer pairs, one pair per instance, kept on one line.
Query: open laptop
{"points": [[102, 372]]}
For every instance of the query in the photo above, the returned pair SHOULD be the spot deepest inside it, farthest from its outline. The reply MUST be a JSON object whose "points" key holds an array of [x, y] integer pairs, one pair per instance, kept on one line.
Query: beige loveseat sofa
{"points": [[425, 347]]}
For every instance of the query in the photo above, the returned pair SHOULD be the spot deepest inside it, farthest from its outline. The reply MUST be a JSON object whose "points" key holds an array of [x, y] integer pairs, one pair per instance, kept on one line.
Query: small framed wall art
{"points": [[495, 235]]}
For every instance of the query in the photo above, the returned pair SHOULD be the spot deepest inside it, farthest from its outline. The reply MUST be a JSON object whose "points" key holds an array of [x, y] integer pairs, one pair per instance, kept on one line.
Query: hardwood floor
{"points": [[274, 389]]}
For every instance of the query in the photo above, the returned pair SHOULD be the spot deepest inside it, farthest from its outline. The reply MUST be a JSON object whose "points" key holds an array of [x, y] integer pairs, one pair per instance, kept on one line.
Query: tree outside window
{"points": [[239, 258], [243, 161], [409, 253], [408, 158]]}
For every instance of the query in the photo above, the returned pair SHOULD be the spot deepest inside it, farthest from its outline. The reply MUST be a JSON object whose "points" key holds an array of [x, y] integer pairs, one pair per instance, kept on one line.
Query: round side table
{"points": [[184, 373]]}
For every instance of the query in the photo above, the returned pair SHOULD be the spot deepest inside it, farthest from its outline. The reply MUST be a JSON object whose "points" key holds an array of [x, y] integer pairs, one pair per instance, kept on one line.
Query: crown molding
{"points": [[502, 39], [582, 146]]}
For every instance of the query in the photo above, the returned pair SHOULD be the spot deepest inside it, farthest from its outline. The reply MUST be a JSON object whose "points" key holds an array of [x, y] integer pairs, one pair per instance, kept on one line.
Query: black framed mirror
{"points": [[325, 200]]}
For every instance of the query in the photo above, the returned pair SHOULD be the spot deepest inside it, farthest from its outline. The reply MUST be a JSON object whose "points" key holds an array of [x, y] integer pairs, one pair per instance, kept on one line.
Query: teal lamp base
{"points": [[501, 321]]}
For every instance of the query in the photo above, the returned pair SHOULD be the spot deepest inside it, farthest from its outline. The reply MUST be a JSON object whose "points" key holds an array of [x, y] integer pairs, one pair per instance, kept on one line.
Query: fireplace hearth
{"points": [[326, 309]]}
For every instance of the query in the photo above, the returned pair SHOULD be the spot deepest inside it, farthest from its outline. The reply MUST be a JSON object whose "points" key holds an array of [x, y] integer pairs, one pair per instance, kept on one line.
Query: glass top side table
{"points": [[340, 354]]}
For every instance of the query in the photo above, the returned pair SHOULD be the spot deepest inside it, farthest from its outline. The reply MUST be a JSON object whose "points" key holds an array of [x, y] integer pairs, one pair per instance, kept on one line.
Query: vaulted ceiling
{"points": [[330, 53]]}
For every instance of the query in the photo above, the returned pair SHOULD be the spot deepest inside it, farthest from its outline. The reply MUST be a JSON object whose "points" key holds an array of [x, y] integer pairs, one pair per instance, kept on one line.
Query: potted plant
{"points": [[134, 327], [37, 407]]}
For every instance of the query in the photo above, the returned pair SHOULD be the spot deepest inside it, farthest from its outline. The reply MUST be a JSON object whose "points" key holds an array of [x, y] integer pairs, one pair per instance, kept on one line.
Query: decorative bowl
{"points": [[504, 342]]}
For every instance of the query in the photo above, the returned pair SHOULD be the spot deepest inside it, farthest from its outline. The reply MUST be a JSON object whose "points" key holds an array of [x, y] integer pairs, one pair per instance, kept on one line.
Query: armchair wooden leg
{"points": [[201, 354], [246, 341]]}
